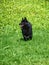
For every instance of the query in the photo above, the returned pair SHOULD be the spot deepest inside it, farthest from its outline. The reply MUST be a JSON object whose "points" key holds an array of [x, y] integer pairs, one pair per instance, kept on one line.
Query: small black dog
{"points": [[26, 28]]}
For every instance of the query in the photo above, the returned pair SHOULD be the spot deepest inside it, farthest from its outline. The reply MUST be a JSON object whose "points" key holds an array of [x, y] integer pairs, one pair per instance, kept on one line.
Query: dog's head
{"points": [[23, 22]]}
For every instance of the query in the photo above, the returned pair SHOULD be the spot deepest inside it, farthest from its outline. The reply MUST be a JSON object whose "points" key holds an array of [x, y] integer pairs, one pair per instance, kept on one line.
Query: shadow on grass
{"points": [[24, 40]]}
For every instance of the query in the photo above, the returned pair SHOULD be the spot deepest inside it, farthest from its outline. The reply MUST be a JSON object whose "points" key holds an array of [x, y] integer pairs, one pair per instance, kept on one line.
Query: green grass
{"points": [[13, 50]]}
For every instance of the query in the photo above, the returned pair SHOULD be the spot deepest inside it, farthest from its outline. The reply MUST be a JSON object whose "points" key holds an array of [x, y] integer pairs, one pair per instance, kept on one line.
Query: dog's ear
{"points": [[22, 18], [25, 18]]}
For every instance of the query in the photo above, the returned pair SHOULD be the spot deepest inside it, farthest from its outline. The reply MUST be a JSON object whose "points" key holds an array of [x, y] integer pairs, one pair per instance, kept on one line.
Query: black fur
{"points": [[26, 28]]}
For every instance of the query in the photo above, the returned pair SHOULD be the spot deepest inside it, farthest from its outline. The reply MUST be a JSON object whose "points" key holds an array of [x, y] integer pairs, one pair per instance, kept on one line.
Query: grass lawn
{"points": [[13, 50]]}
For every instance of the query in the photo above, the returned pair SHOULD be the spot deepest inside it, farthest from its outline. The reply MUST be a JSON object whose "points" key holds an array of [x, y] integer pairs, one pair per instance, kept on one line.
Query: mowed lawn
{"points": [[13, 50]]}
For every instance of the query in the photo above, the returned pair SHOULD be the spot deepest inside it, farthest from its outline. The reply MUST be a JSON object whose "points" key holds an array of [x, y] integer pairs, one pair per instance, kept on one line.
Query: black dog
{"points": [[26, 28]]}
